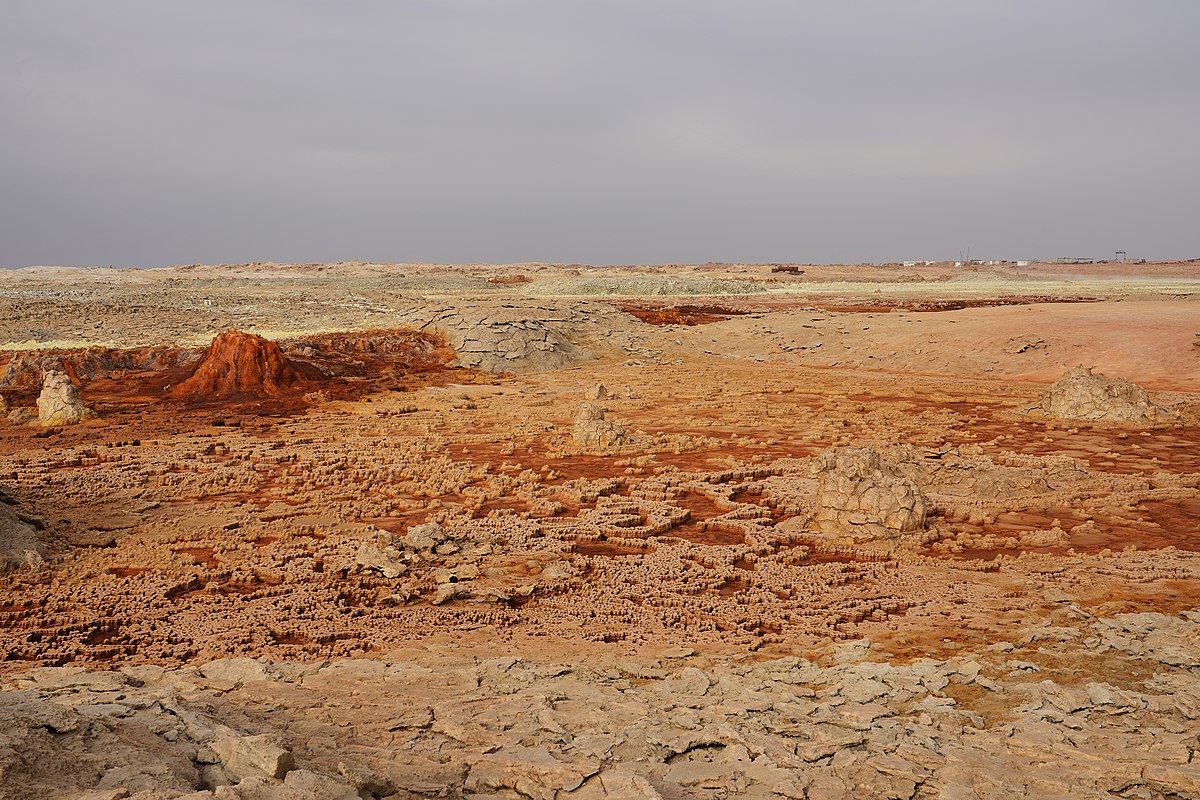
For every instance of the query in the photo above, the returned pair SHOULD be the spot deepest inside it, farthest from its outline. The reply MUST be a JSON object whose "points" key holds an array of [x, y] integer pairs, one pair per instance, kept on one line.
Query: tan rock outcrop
{"points": [[528, 335], [19, 544], [1082, 394], [863, 497], [59, 403], [245, 756], [22, 416], [593, 430]]}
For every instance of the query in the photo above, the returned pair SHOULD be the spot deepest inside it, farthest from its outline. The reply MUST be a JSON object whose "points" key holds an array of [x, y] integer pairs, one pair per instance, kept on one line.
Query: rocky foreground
{"points": [[1077, 707]]}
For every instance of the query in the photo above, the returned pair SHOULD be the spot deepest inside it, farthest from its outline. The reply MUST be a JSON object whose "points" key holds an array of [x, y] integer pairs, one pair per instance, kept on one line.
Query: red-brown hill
{"points": [[243, 366]]}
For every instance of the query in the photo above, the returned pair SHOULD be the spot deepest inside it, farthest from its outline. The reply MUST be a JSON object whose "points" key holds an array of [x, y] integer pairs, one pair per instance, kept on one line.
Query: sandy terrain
{"points": [[568, 532]]}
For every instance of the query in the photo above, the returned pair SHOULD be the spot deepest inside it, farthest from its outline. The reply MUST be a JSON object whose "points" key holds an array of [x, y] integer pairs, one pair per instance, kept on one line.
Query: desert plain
{"points": [[556, 531]]}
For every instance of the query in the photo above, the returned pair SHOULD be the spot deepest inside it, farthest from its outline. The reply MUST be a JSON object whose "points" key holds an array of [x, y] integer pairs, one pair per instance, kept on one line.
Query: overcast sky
{"points": [[147, 133]]}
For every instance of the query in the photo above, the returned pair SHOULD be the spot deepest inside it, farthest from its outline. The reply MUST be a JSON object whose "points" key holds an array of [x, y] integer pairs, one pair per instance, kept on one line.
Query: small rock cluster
{"points": [[1083, 394], [426, 553], [392, 556], [861, 497], [593, 430]]}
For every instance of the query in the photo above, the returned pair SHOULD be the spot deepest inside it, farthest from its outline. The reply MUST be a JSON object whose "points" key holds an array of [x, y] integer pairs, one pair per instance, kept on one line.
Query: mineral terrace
{"points": [[562, 532]]}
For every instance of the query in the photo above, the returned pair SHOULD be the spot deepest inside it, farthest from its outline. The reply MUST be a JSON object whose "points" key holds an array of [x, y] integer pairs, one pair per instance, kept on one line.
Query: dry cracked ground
{"points": [[553, 531]]}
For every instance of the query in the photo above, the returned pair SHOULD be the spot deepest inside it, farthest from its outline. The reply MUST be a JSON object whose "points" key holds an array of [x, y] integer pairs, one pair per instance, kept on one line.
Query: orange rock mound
{"points": [[240, 366]]}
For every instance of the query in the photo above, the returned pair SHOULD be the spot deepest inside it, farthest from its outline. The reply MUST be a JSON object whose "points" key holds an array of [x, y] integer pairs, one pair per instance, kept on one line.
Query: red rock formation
{"points": [[24, 370], [240, 366]]}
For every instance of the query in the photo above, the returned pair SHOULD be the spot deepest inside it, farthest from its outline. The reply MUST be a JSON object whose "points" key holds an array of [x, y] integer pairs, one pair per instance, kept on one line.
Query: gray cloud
{"points": [[137, 132]]}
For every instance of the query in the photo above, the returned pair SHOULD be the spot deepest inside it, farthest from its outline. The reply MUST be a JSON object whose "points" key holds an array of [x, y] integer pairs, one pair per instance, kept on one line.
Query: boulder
{"points": [[367, 780], [59, 403], [382, 556], [19, 544], [861, 496], [253, 756], [423, 537], [592, 430], [1082, 394]]}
